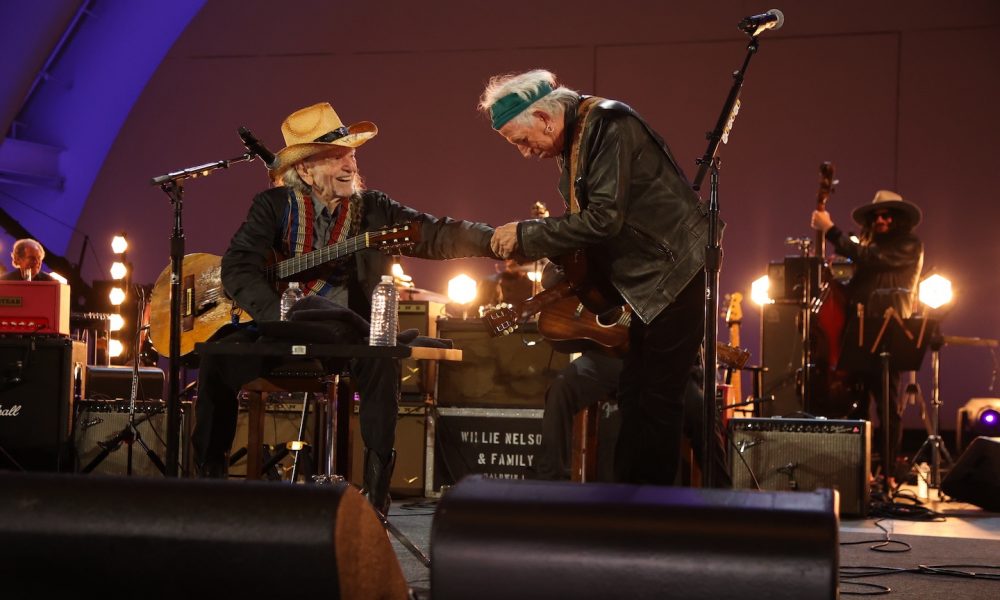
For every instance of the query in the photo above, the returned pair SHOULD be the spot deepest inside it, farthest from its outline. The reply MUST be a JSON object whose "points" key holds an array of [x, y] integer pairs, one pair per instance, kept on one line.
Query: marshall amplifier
{"points": [[37, 379], [803, 455]]}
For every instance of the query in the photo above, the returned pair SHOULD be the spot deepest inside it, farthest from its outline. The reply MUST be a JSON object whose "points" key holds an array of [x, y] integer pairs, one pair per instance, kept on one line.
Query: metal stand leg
{"points": [[934, 442]]}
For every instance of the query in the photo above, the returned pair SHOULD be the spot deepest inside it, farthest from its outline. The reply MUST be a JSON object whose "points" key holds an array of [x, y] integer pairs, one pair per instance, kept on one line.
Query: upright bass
{"points": [[830, 394]]}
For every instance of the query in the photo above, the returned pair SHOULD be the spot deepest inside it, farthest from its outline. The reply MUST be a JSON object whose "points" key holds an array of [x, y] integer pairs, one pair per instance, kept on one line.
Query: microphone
{"points": [[255, 147], [754, 25]]}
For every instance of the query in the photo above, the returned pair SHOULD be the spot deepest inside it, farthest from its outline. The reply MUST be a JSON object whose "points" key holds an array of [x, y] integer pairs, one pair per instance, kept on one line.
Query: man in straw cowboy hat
{"points": [[888, 258], [644, 230], [321, 202]]}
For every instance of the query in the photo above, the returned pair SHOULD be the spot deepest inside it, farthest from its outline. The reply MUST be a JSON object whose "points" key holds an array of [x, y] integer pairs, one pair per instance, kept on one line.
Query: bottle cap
{"points": [[387, 279]]}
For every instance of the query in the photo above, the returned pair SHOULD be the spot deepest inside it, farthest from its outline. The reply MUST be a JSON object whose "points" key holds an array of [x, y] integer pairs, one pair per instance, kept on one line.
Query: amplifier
{"points": [[408, 476], [37, 379], [34, 307], [282, 416], [804, 455], [109, 383], [511, 371], [100, 422], [418, 375]]}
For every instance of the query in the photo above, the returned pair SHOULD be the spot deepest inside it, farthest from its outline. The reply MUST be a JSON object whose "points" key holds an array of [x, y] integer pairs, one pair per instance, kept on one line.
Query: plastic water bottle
{"points": [[385, 320], [290, 296]]}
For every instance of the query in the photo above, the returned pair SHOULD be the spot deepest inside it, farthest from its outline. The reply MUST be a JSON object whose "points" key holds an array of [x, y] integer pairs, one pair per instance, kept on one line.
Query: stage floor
{"points": [[964, 535]]}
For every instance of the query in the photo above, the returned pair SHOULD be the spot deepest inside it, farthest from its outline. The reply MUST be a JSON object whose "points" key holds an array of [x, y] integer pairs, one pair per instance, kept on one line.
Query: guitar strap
{"points": [[574, 154], [299, 232]]}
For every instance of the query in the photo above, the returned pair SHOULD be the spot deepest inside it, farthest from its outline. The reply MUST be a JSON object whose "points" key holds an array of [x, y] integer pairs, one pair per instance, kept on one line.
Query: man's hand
{"points": [[821, 221], [504, 241]]}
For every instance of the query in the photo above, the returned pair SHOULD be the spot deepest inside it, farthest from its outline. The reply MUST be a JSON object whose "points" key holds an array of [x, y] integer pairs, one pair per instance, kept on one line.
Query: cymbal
{"points": [[420, 294]]}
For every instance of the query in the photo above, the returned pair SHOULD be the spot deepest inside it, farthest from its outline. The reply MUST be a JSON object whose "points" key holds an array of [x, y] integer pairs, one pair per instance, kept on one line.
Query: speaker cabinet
{"points": [[111, 383], [281, 425], [546, 539], [781, 350], [101, 424], [195, 538], [37, 375], [804, 455], [408, 476], [418, 375], [511, 371], [975, 478]]}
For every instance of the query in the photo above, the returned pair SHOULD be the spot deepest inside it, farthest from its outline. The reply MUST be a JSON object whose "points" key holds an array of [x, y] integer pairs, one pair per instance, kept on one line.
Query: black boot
{"points": [[377, 475], [214, 467]]}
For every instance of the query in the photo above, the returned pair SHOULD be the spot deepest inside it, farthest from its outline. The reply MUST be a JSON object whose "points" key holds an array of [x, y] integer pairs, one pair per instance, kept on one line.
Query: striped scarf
{"points": [[299, 227]]}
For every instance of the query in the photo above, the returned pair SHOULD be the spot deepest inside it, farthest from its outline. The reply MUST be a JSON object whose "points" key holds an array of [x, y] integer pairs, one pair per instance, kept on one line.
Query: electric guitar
{"points": [[204, 304], [734, 317]]}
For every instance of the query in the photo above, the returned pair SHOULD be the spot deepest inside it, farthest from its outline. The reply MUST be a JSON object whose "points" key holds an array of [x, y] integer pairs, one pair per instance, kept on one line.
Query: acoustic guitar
{"points": [[204, 304], [570, 327]]}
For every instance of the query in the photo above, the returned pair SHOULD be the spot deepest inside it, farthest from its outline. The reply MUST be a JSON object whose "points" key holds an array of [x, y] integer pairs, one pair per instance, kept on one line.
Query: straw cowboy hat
{"points": [[316, 128], [884, 199]]}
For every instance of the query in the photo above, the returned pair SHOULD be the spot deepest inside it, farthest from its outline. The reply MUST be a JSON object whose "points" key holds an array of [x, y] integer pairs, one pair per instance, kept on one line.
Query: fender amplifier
{"points": [[804, 455]]}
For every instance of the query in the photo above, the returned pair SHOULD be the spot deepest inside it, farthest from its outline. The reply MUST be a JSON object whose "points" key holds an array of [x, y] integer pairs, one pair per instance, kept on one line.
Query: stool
{"points": [[303, 377]]}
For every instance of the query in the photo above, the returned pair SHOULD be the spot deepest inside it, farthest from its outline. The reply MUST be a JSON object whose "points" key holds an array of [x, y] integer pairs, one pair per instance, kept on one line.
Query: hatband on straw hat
{"points": [[316, 128]]}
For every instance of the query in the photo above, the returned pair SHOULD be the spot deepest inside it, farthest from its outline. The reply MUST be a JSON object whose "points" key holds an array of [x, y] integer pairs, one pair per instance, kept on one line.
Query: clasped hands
{"points": [[504, 241]]}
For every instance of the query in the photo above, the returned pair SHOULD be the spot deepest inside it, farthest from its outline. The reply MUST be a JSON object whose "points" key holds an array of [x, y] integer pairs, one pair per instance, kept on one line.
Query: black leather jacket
{"points": [[888, 269], [243, 264], [645, 229]]}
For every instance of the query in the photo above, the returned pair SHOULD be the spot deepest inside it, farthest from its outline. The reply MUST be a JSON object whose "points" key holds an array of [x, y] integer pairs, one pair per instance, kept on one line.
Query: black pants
{"points": [[584, 382], [651, 397], [221, 377], [588, 380], [872, 396]]}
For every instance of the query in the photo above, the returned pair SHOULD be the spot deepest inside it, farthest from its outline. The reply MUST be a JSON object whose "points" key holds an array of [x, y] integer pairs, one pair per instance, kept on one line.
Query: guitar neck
{"points": [[303, 262]]}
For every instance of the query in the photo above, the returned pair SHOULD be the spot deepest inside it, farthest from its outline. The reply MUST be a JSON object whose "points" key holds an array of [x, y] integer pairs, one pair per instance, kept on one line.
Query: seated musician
{"points": [[321, 202], [888, 259], [27, 256]]}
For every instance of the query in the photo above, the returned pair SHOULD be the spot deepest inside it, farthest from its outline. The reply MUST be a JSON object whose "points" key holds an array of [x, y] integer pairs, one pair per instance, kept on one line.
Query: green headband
{"points": [[511, 105]]}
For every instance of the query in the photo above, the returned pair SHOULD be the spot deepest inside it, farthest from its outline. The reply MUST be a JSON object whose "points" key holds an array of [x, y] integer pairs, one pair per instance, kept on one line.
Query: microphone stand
{"points": [[713, 263], [172, 185]]}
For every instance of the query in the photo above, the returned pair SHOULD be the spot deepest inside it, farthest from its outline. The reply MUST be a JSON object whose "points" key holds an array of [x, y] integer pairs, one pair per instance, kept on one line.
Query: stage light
{"points": [[115, 348], [935, 291], [979, 417], [534, 276], [118, 270], [397, 270], [119, 244], [462, 289], [116, 322], [116, 296], [759, 291]]}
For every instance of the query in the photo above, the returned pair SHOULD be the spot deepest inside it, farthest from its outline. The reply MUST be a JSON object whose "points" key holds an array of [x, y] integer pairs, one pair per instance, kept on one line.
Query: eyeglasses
{"points": [[885, 216]]}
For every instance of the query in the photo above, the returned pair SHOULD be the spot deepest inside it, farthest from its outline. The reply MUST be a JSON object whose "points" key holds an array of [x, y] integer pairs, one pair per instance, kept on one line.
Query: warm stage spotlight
{"points": [[759, 291], [119, 244], [116, 296], [118, 270], [935, 291], [115, 348]]}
